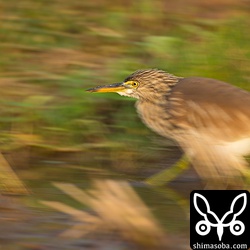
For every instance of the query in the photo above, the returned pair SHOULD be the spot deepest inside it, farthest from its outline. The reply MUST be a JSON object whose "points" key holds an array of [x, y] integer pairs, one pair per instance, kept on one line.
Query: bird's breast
{"points": [[155, 117]]}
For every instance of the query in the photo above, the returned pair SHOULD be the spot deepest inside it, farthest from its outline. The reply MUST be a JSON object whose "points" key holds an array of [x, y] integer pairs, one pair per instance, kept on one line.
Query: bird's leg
{"points": [[170, 174]]}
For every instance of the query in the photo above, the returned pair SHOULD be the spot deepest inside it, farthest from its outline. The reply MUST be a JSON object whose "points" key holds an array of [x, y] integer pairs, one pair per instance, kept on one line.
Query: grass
{"points": [[117, 209], [51, 51]]}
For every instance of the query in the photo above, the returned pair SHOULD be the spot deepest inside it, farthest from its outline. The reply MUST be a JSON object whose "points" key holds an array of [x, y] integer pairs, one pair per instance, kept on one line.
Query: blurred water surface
{"points": [[51, 130]]}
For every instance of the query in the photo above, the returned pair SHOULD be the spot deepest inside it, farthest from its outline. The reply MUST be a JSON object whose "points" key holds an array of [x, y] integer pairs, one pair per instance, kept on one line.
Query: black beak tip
{"points": [[91, 90]]}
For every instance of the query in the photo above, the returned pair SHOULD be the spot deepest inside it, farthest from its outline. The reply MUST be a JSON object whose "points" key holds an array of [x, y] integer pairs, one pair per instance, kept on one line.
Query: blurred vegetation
{"points": [[114, 205], [51, 51], [51, 130]]}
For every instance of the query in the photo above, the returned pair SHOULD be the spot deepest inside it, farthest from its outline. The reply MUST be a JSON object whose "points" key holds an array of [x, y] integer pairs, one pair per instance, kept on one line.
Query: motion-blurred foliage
{"points": [[51, 51]]}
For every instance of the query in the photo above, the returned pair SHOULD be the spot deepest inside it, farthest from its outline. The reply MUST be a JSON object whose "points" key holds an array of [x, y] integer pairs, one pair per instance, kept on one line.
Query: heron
{"points": [[209, 119]]}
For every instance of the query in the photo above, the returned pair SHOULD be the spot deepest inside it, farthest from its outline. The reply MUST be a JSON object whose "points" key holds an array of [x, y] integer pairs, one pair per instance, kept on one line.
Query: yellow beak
{"points": [[116, 87]]}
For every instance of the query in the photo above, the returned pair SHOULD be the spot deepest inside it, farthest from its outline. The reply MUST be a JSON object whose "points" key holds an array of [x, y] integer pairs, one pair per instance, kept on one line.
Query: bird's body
{"points": [[209, 119]]}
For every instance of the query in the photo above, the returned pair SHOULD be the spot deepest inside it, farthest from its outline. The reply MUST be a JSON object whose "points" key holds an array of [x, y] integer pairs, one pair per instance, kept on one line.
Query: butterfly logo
{"points": [[210, 219]]}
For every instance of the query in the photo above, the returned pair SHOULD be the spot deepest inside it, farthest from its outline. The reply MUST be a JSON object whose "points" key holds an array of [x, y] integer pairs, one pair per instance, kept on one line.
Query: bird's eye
{"points": [[134, 84]]}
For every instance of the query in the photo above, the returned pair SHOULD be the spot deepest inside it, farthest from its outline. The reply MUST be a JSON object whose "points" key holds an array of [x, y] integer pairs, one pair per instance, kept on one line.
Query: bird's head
{"points": [[142, 84]]}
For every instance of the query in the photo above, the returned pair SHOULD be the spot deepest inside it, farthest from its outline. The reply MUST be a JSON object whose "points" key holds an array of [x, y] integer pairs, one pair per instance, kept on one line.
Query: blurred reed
{"points": [[115, 208]]}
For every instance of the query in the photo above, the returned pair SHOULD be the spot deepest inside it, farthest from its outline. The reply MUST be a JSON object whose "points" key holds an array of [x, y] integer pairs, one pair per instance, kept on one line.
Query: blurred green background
{"points": [[52, 50]]}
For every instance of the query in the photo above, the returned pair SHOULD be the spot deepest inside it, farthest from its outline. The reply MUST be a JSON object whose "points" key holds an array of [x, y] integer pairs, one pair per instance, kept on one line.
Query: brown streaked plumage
{"points": [[209, 119]]}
